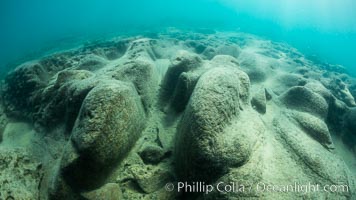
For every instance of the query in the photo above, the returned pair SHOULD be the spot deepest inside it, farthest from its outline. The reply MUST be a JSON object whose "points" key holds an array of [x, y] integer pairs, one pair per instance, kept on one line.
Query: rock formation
{"points": [[122, 118]]}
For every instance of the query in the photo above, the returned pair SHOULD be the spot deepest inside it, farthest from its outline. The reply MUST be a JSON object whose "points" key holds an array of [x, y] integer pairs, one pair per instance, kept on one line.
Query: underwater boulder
{"points": [[110, 50], [151, 154], [143, 75], [341, 91], [310, 157], [198, 46], [184, 89], [46, 98], [209, 52], [19, 87], [249, 64], [21, 83], [66, 76], [200, 142], [110, 121], [315, 127], [142, 47], [91, 63], [337, 108], [58, 62], [258, 101], [116, 49], [113, 129], [283, 81], [231, 50], [290, 80], [319, 88], [242, 182], [225, 60], [61, 99], [303, 99], [183, 61], [244, 86], [231, 62]]}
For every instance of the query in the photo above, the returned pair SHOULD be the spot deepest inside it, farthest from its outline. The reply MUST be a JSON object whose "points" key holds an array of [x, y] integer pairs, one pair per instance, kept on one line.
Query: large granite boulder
{"points": [[110, 121], [303, 99], [201, 141]]}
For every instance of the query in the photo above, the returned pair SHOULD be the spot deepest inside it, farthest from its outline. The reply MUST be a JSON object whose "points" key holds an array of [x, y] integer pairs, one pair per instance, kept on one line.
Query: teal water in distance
{"points": [[322, 29]]}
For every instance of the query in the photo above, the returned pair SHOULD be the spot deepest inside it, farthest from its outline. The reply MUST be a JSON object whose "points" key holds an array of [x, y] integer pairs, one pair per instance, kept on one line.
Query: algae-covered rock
{"points": [[318, 88], [143, 47], [315, 127], [20, 85], [62, 98], [200, 143], [303, 99], [310, 156], [144, 77], [341, 91], [20, 176], [120, 119], [244, 86], [91, 63], [54, 100], [25, 82], [110, 121], [225, 60], [184, 89], [182, 62]]}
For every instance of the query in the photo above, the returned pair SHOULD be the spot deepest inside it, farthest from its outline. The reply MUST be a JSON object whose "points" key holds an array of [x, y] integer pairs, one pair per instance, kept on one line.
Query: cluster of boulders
{"points": [[135, 114]]}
